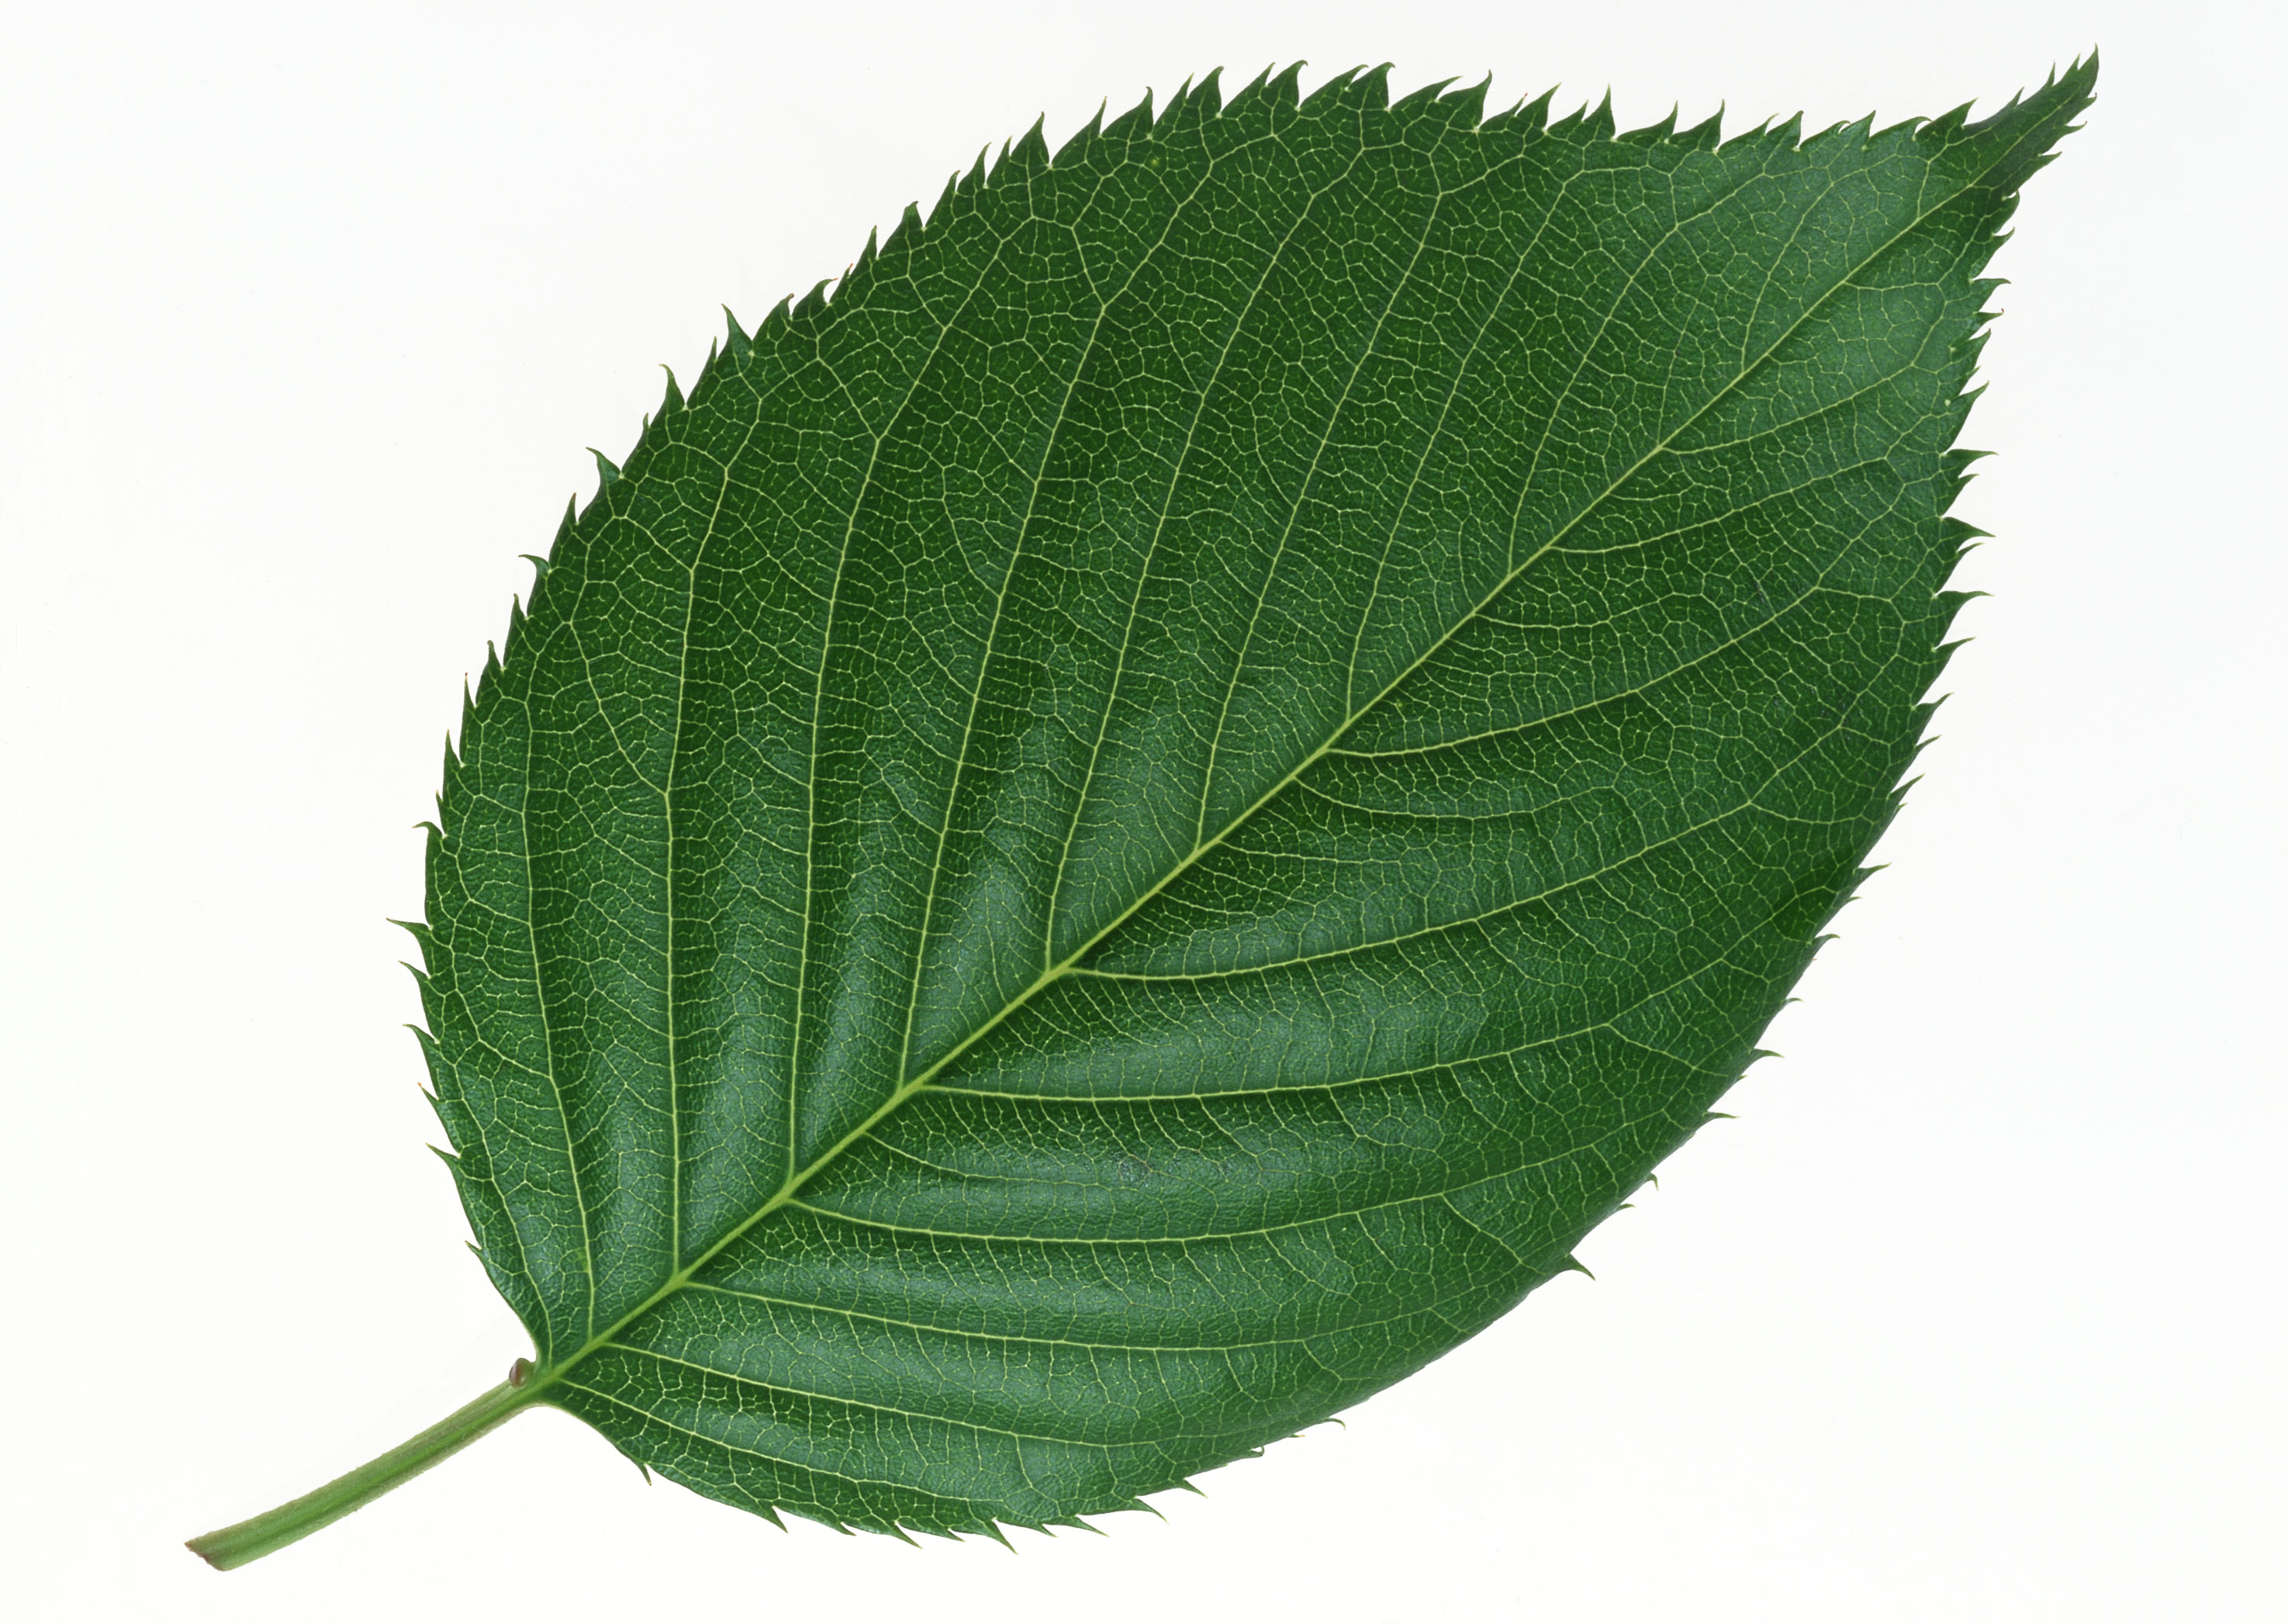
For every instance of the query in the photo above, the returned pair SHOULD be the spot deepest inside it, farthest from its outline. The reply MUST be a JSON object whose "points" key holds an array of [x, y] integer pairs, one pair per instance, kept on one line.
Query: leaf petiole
{"points": [[274, 1529]]}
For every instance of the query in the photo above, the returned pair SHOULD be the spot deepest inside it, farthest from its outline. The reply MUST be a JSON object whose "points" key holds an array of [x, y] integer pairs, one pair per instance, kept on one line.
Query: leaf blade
{"points": [[1147, 984]]}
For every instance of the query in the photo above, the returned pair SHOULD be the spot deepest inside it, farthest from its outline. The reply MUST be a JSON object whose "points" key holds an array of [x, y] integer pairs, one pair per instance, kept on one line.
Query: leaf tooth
{"points": [[1601, 124], [813, 302], [903, 234], [1748, 136], [735, 342], [674, 400], [700, 386], [1588, 127], [1946, 126], [1031, 154], [607, 470], [973, 182], [1528, 119], [451, 786], [434, 1093], [1207, 96], [1469, 103], [1285, 87], [1651, 135], [1965, 350], [1332, 92], [1165, 123], [1081, 142], [1241, 104], [1959, 539], [2017, 99], [1950, 606], [1961, 534], [1838, 131], [556, 545], [860, 272], [1954, 471], [1132, 124], [1705, 136], [936, 217], [774, 319], [422, 1036]]}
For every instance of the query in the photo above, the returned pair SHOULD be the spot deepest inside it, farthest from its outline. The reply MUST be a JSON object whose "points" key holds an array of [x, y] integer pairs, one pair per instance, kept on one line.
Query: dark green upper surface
{"points": [[1116, 838]]}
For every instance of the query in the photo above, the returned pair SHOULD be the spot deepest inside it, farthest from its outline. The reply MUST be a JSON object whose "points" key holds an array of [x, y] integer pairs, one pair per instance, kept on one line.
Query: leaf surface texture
{"points": [[1123, 833]]}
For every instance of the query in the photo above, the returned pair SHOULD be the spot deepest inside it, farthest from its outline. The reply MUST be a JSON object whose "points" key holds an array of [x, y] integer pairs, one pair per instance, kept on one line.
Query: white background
{"points": [[305, 315]]}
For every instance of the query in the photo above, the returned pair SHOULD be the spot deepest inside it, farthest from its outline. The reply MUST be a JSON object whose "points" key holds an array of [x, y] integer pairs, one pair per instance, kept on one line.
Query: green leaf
{"points": [[1125, 831]]}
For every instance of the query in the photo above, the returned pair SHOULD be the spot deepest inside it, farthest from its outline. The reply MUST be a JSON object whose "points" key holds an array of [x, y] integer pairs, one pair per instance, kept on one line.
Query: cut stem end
{"points": [[258, 1536]]}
